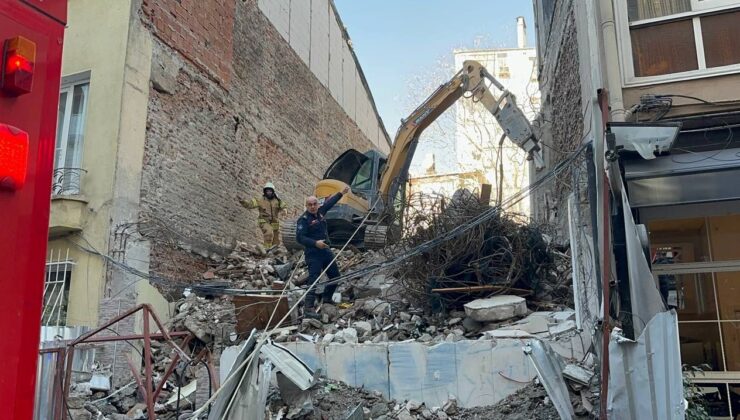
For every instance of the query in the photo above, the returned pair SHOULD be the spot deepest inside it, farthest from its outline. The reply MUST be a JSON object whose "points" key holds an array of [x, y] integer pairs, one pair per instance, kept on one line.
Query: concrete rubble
{"points": [[496, 308], [374, 314]]}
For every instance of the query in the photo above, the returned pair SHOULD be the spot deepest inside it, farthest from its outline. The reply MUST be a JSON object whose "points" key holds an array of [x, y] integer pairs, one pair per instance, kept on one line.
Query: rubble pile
{"points": [[374, 320], [501, 255], [90, 400], [532, 403], [336, 400]]}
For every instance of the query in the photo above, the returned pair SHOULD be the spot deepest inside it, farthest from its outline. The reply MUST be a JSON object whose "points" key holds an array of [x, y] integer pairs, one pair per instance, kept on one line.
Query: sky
{"points": [[399, 40]]}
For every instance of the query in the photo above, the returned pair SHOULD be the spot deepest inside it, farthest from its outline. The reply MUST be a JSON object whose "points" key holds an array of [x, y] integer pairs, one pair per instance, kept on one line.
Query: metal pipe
{"points": [[135, 372], [132, 337], [108, 324], [611, 60], [148, 366], [171, 369]]}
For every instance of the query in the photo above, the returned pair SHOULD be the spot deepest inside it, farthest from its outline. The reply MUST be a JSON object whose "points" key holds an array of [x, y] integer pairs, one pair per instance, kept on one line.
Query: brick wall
{"points": [[201, 30], [208, 142], [563, 124]]}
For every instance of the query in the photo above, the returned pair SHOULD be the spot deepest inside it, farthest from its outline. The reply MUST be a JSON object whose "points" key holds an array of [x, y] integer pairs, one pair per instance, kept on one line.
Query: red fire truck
{"points": [[31, 34]]}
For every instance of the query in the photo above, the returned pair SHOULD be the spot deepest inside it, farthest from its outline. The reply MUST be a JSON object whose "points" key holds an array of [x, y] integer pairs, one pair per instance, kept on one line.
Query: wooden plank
{"points": [[485, 193], [522, 292], [253, 311]]}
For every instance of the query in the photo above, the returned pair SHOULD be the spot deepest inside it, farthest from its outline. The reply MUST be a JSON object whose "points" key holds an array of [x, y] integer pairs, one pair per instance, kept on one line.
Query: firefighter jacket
{"points": [[269, 210]]}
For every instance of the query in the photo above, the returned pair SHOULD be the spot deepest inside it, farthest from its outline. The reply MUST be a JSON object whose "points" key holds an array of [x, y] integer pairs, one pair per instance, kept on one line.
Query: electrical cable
{"points": [[248, 361], [689, 97], [483, 217]]}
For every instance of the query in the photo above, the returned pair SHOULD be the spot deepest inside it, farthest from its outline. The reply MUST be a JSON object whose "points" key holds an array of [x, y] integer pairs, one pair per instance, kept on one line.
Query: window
{"points": [[697, 264], [363, 180], [56, 289], [73, 99], [650, 9], [669, 40]]}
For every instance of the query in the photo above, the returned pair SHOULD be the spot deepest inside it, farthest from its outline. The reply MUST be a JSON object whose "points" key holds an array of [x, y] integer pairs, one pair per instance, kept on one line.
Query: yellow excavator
{"points": [[378, 182]]}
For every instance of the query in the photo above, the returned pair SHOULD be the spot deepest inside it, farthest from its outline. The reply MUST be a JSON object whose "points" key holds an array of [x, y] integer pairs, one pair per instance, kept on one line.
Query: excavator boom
{"points": [[470, 81]]}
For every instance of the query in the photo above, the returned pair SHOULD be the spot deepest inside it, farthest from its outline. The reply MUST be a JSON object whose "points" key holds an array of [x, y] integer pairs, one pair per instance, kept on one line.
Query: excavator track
{"points": [[288, 235], [375, 236]]}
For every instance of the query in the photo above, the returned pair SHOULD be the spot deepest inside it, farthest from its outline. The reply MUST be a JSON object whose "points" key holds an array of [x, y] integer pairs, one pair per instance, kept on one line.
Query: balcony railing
{"points": [[66, 181]]}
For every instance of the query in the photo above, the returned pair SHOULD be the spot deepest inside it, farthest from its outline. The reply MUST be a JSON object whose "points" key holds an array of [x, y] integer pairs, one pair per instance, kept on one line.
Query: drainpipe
{"points": [[611, 60]]}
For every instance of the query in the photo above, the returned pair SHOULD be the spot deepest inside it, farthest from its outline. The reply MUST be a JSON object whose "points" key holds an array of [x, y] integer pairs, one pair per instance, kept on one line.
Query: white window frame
{"points": [[68, 85], [700, 8]]}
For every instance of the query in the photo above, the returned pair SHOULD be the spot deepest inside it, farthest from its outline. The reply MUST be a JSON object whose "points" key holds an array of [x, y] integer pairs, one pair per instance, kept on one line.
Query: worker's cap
{"points": [[269, 186]]}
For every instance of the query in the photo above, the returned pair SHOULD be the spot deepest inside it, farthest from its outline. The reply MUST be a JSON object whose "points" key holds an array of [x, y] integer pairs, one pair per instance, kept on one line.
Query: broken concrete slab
{"points": [[562, 327], [507, 333], [363, 328], [496, 308], [532, 324], [578, 374], [481, 372]]}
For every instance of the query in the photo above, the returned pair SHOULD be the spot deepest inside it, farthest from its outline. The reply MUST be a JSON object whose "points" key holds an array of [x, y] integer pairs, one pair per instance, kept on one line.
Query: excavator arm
{"points": [[470, 82]]}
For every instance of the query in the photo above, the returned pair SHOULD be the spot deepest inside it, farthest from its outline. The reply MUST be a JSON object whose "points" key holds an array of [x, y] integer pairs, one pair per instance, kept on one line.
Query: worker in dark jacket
{"points": [[311, 232]]}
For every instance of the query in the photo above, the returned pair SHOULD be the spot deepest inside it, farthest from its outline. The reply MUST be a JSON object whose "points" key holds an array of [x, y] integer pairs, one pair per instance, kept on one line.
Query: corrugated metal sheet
{"points": [[645, 381], [644, 293]]}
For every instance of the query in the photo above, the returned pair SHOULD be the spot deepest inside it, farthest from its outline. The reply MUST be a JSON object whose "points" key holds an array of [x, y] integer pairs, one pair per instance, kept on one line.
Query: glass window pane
{"points": [[735, 399], [720, 33], [60, 126], [364, 177], [731, 341], [76, 126], [664, 48], [700, 344], [716, 397], [691, 294], [728, 295], [725, 235], [648, 9], [679, 241]]}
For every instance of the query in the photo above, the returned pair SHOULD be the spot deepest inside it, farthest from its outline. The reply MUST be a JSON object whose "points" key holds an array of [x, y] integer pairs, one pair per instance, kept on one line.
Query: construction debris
{"points": [[484, 284], [496, 308], [500, 255]]}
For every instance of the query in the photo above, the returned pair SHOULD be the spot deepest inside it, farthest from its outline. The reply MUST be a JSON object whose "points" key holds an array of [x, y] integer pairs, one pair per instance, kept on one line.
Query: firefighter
{"points": [[311, 232], [270, 206]]}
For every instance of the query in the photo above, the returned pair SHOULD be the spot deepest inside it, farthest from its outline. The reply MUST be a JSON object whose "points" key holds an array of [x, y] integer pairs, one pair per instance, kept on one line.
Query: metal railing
{"points": [[56, 288], [66, 181]]}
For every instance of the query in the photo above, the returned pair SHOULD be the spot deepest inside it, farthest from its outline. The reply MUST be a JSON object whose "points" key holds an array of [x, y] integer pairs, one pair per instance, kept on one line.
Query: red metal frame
{"points": [[24, 214], [146, 384]]}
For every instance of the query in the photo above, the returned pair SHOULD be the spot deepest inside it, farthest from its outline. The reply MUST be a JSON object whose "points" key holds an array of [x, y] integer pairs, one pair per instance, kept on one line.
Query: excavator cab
{"points": [[362, 172]]}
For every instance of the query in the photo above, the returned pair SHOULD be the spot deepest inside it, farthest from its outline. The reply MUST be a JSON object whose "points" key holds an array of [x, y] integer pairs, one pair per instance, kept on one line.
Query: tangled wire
{"points": [[504, 255]]}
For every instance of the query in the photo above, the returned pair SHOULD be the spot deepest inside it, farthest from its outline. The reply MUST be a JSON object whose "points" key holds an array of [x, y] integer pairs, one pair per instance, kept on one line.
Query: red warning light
{"points": [[18, 58], [13, 157]]}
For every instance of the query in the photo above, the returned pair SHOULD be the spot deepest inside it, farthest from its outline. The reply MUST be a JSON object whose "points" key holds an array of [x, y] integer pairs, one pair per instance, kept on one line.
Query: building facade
{"points": [[478, 136], [640, 116], [173, 111]]}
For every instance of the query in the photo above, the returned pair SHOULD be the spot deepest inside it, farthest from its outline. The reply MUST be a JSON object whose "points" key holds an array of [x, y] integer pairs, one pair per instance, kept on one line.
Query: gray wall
{"points": [[315, 32]]}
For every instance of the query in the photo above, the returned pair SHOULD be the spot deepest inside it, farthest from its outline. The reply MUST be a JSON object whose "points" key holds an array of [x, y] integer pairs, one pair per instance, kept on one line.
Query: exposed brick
{"points": [[211, 21], [208, 142], [565, 129]]}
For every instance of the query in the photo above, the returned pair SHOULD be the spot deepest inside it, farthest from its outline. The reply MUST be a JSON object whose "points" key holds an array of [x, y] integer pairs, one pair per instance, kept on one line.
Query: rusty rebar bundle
{"points": [[505, 254]]}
